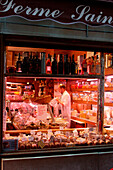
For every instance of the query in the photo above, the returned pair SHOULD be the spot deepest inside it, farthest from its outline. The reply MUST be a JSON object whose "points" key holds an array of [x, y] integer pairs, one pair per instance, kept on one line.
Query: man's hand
{"points": [[57, 99]]}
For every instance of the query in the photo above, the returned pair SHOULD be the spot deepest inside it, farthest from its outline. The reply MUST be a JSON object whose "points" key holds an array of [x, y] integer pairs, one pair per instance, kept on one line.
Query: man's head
{"points": [[62, 88]]}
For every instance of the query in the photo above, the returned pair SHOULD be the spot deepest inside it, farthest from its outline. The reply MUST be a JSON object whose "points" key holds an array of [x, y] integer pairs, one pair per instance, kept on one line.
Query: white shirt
{"points": [[66, 107]]}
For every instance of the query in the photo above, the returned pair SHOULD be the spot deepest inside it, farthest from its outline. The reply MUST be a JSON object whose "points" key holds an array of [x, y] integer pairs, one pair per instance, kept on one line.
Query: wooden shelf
{"points": [[77, 101], [84, 120], [84, 89], [108, 104], [108, 71], [85, 102], [22, 75], [91, 102], [16, 100], [92, 89], [108, 88]]}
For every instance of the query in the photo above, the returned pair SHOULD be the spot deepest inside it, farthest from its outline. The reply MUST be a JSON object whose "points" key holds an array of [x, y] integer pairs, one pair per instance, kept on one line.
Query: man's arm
{"points": [[59, 101], [65, 100]]}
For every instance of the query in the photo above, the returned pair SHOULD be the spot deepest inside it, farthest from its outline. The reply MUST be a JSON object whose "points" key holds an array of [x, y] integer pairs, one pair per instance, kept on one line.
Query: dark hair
{"points": [[62, 86]]}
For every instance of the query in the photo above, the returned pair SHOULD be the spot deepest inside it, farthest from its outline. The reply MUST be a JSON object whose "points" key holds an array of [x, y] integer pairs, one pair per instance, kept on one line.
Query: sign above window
{"points": [[92, 13]]}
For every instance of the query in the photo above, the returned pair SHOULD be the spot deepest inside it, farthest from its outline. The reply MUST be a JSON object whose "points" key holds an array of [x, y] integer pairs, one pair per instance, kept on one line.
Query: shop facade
{"points": [[40, 30]]}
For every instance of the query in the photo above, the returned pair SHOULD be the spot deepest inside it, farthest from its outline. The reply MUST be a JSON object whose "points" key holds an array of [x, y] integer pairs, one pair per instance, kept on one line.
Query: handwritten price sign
{"points": [[42, 112]]}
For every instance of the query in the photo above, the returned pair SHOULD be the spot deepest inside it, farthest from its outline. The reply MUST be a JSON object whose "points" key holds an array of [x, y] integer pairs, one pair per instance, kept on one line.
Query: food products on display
{"points": [[49, 139]]}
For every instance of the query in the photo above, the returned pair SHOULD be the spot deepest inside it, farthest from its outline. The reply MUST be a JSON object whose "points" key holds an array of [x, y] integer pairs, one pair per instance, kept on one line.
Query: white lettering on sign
{"points": [[83, 11], [29, 11]]}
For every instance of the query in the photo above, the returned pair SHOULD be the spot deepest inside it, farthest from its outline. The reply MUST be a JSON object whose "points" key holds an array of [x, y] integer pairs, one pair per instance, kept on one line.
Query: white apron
{"points": [[66, 107]]}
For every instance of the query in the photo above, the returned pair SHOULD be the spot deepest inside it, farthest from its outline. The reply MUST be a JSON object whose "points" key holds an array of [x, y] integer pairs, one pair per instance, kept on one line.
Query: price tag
{"points": [[39, 138], [48, 68], [55, 133], [32, 132], [30, 138], [75, 132], [50, 131], [67, 134], [61, 128], [44, 134], [41, 144], [58, 132], [7, 135], [39, 133], [24, 139]]}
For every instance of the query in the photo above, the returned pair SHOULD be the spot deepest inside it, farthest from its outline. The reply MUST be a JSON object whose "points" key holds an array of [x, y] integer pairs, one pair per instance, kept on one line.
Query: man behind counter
{"points": [[65, 103]]}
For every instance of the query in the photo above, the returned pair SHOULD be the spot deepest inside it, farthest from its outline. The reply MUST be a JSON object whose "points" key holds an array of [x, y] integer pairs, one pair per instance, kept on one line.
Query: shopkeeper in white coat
{"points": [[65, 103]]}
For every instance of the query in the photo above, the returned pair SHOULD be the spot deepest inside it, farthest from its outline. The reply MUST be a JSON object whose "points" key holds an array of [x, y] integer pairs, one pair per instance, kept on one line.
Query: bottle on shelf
{"points": [[33, 57], [19, 64], [72, 65], [76, 68], [37, 64], [79, 70], [89, 65], [48, 65], [95, 61], [111, 61], [79, 64], [98, 66], [60, 65], [26, 63], [43, 63], [66, 65], [31, 63], [54, 65], [92, 65], [39, 58], [84, 65]]}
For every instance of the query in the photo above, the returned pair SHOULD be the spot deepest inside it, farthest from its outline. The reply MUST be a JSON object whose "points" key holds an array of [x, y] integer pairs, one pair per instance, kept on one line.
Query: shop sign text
{"points": [[79, 13]]}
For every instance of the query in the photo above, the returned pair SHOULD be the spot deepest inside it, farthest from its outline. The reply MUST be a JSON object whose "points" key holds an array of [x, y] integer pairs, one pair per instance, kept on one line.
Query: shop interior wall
{"points": [[20, 26]]}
